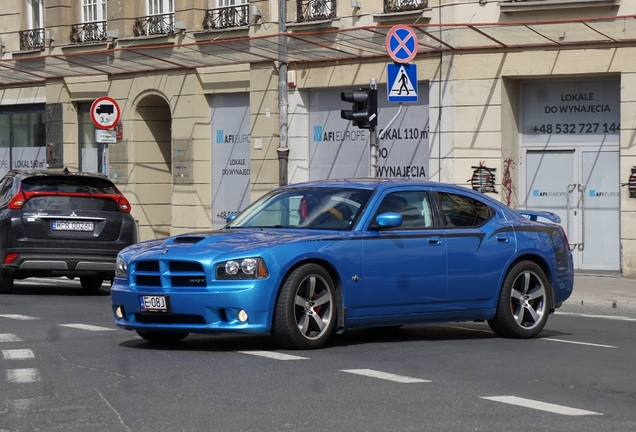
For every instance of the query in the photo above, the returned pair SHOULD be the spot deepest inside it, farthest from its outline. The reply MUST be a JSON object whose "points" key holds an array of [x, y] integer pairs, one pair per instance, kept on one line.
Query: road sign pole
{"points": [[373, 140]]}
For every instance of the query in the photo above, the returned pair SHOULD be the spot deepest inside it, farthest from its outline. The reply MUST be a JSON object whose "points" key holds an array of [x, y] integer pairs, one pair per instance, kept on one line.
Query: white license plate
{"points": [[153, 303], [63, 225]]}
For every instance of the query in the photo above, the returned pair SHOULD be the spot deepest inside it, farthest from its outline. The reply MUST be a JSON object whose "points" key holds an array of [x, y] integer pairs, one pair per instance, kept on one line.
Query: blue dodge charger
{"points": [[312, 259]]}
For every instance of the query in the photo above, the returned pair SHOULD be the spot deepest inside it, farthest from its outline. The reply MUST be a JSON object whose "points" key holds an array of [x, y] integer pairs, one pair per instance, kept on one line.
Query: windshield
{"points": [[316, 208]]}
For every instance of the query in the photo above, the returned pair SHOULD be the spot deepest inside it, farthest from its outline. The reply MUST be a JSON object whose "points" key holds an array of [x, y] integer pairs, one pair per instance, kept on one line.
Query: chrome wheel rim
{"points": [[312, 307], [528, 300]]}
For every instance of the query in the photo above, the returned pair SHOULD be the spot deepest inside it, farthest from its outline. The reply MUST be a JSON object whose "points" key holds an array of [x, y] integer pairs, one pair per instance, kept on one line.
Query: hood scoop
{"points": [[187, 240]]}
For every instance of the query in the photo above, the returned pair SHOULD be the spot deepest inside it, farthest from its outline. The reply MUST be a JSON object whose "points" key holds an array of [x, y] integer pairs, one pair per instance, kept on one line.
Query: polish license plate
{"points": [[66, 225], [154, 303]]}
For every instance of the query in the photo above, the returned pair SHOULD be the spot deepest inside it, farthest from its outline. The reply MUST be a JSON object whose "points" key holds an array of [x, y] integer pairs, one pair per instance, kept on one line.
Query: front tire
{"points": [[165, 338], [524, 303], [305, 312], [6, 283]]}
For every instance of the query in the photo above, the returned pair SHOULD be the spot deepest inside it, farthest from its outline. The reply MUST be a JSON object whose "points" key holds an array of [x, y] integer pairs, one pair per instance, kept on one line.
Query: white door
{"points": [[580, 185]]}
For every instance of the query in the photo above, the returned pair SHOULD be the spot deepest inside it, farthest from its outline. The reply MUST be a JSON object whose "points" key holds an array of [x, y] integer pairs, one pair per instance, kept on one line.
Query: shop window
{"points": [[22, 138]]}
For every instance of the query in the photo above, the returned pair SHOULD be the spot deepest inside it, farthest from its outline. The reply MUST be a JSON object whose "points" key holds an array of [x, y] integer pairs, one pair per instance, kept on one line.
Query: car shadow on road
{"points": [[411, 333]]}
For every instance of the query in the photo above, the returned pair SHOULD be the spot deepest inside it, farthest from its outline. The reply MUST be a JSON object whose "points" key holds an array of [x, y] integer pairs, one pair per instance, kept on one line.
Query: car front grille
{"points": [[180, 274], [169, 319]]}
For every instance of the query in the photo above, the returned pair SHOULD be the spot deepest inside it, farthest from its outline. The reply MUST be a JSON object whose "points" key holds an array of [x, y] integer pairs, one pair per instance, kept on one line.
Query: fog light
{"points": [[242, 316], [119, 312]]}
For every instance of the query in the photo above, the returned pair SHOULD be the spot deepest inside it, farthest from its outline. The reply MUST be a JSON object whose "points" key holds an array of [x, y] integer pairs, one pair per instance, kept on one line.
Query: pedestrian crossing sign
{"points": [[402, 82]]}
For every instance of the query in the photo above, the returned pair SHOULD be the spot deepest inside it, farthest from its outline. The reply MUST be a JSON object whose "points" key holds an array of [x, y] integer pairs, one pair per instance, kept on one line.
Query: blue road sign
{"points": [[401, 43], [401, 82]]}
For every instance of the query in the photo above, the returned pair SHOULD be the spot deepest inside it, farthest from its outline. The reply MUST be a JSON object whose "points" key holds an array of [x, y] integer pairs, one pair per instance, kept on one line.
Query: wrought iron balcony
{"points": [[226, 17], [154, 25], [314, 10], [88, 32], [404, 5], [31, 39]]}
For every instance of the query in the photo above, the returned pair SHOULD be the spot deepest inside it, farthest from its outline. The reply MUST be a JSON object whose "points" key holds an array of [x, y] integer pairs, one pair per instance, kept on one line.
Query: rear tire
{"points": [[524, 303], [91, 282], [164, 338], [6, 283]]}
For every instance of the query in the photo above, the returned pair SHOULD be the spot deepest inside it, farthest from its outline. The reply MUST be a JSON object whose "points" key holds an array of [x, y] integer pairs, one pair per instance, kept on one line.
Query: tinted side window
{"points": [[462, 211], [413, 206]]}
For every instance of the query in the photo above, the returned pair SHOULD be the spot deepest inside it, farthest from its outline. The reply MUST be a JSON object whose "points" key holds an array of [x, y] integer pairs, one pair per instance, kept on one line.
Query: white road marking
{"points": [[87, 327], [17, 354], [8, 337], [21, 404], [385, 376], [579, 343], [609, 317], [274, 355], [542, 406], [18, 317], [23, 375]]}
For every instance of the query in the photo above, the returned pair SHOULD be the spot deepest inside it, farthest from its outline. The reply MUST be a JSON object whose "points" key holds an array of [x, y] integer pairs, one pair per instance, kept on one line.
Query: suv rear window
{"points": [[72, 185], [69, 184], [70, 203]]}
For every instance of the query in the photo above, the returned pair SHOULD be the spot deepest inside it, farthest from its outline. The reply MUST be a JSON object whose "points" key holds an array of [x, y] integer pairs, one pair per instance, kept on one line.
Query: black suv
{"points": [[56, 223]]}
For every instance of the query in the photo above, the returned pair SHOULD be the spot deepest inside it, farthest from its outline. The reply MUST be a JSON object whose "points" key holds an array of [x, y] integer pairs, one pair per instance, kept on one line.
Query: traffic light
{"points": [[365, 107]]}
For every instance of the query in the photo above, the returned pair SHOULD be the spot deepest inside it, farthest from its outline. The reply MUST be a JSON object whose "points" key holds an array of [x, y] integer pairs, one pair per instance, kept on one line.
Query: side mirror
{"points": [[389, 220], [231, 217]]}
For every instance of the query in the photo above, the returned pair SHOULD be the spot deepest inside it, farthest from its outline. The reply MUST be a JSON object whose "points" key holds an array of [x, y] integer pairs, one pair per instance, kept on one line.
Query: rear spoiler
{"points": [[534, 215]]}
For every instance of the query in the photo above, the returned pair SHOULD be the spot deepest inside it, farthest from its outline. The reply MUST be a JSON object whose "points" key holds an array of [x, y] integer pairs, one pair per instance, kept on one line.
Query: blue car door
{"points": [[404, 268], [479, 245]]}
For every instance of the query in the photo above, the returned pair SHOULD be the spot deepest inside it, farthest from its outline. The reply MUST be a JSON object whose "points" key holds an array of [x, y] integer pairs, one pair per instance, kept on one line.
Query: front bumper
{"points": [[201, 310]]}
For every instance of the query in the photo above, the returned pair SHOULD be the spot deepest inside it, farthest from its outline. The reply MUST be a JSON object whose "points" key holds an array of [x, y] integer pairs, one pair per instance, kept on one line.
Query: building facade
{"points": [[532, 102]]}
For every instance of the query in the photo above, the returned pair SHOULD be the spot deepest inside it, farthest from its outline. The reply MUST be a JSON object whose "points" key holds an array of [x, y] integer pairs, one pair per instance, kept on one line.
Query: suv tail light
{"points": [[17, 201], [124, 205]]}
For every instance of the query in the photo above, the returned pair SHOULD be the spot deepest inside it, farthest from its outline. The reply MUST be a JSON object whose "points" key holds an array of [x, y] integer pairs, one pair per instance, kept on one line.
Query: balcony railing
{"points": [[226, 17], [404, 5], [88, 32], [314, 10], [154, 25], [31, 39]]}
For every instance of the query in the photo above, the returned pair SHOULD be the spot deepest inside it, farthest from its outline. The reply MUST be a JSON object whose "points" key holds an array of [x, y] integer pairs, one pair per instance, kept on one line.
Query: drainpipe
{"points": [[283, 149]]}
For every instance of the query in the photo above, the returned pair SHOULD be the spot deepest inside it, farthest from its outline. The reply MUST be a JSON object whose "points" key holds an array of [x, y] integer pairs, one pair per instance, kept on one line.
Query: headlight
{"points": [[121, 268], [245, 268]]}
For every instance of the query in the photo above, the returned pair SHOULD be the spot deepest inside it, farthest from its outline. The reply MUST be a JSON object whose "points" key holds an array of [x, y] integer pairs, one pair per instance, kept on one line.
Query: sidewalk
{"points": [[602, 292]]}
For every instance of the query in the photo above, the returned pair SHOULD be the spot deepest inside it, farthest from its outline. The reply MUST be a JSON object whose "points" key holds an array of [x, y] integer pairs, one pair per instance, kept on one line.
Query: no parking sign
{"points": [[401, 43]]}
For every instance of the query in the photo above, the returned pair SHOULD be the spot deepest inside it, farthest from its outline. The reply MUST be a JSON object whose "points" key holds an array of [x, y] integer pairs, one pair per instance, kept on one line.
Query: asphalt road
{"points": [[66, 367]]}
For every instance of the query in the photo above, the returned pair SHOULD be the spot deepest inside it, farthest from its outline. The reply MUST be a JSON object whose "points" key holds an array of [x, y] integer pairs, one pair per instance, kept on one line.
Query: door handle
{"points": [[502, 239], [434, 241]]}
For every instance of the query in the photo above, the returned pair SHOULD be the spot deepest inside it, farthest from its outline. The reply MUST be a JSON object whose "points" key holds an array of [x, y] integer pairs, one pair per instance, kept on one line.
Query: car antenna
{"points": [[65, 170]]}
